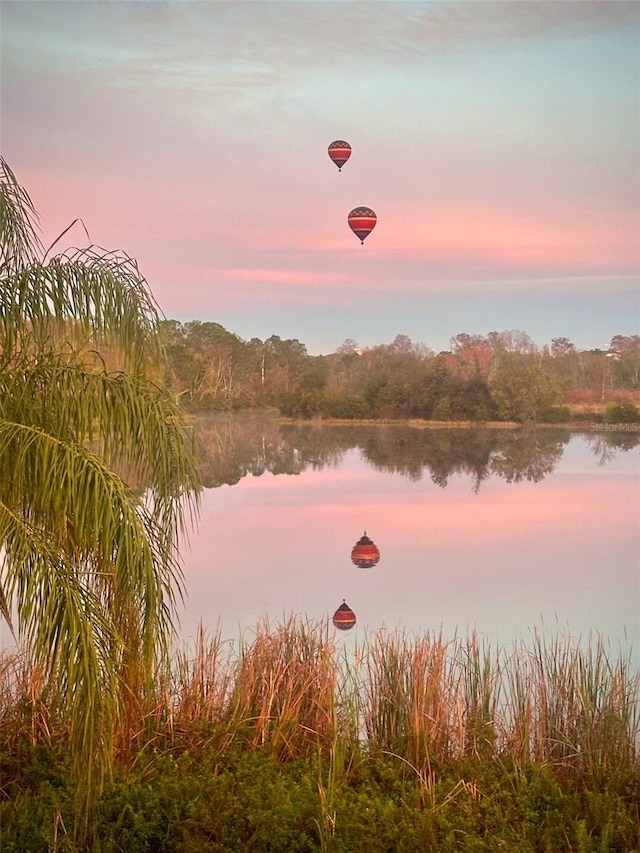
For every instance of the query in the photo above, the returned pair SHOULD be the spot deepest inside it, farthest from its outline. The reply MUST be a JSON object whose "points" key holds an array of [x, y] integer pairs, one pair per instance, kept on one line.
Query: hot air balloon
{"points": [[339, 151], [344, 617], [362, 221], [365, 553]]}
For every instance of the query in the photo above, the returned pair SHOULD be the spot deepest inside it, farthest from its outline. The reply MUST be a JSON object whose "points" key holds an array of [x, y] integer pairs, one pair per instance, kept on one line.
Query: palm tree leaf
{"points": [[19, 242], [132, 424], [70, 634], [78, 507], [5, 611], [79, 298], [97, 474]]}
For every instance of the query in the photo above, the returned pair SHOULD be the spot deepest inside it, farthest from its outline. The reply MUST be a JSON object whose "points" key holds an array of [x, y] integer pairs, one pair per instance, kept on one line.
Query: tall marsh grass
{"points": [[294, 691]]}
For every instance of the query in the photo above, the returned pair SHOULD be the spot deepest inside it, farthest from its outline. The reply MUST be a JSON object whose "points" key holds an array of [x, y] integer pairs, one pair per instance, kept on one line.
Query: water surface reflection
{"points": [[493, 530], [234, 446]]}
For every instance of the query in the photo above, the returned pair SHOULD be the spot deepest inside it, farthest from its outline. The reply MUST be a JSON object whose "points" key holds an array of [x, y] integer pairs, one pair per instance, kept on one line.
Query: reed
{"points": [[283, 697], [199, 690], [478, 691], [27, 702], [432, 703], [406, 697], [573, 707]]}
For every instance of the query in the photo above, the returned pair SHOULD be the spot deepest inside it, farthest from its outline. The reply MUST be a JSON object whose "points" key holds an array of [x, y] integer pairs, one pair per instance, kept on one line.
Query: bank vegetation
{"points": [[501, 376], [290, 739]]}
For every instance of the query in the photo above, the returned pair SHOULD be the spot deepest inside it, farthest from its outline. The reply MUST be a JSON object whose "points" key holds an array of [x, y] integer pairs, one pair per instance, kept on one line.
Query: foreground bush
{"points": [[284, 744], [251, 802]]}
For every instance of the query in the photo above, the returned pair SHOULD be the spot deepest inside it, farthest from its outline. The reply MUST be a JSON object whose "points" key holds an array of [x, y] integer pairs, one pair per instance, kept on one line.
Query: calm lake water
{"points": [[499, 531]]}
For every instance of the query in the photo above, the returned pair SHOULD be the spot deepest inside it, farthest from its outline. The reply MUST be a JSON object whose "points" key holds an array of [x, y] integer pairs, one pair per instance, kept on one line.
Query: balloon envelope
{"points": [[365, 553], [344, 617], [339, 151], [362, 221]]}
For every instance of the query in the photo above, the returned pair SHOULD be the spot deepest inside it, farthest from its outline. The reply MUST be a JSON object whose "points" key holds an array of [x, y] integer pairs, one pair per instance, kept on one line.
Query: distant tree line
{"points": [[501, 376]]}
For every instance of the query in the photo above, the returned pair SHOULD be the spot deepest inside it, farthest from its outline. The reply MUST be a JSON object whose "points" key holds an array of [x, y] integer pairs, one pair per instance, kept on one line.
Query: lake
{"points": [[499, 531]]}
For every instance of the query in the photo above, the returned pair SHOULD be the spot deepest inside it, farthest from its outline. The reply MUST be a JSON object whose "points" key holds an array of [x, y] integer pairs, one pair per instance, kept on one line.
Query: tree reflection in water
{"points": [[606, 447], [236, 446]]}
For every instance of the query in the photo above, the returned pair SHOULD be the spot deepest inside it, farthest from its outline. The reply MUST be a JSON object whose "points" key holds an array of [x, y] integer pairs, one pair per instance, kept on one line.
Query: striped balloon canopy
{"points": [[339, 151], [365, 553], [344, 617], [362, 221]]}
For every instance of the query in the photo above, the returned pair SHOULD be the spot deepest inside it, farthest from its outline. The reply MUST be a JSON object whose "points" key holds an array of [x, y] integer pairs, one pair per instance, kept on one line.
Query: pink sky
{"points": [[498, 143]]}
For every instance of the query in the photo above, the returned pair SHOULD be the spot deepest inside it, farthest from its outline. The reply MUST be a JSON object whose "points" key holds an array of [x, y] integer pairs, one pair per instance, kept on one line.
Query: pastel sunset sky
{"points": [[498, 143]]}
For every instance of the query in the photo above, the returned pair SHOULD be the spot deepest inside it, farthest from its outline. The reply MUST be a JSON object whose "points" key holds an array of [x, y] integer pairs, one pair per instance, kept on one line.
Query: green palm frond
{"points": [[71, 634], [81, 298], [98, 476], [5, 610], [133, 424], [89, 518], [60, 613], [19, 242]]}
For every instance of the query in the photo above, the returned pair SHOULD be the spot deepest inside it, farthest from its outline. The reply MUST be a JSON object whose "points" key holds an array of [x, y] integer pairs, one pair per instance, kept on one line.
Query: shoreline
{"points": [[416, 423]]}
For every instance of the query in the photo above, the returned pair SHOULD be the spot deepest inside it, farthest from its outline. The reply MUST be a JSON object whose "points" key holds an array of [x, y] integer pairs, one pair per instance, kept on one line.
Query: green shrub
{"points": [[621, 413], [277, 765], [556, 415]]}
